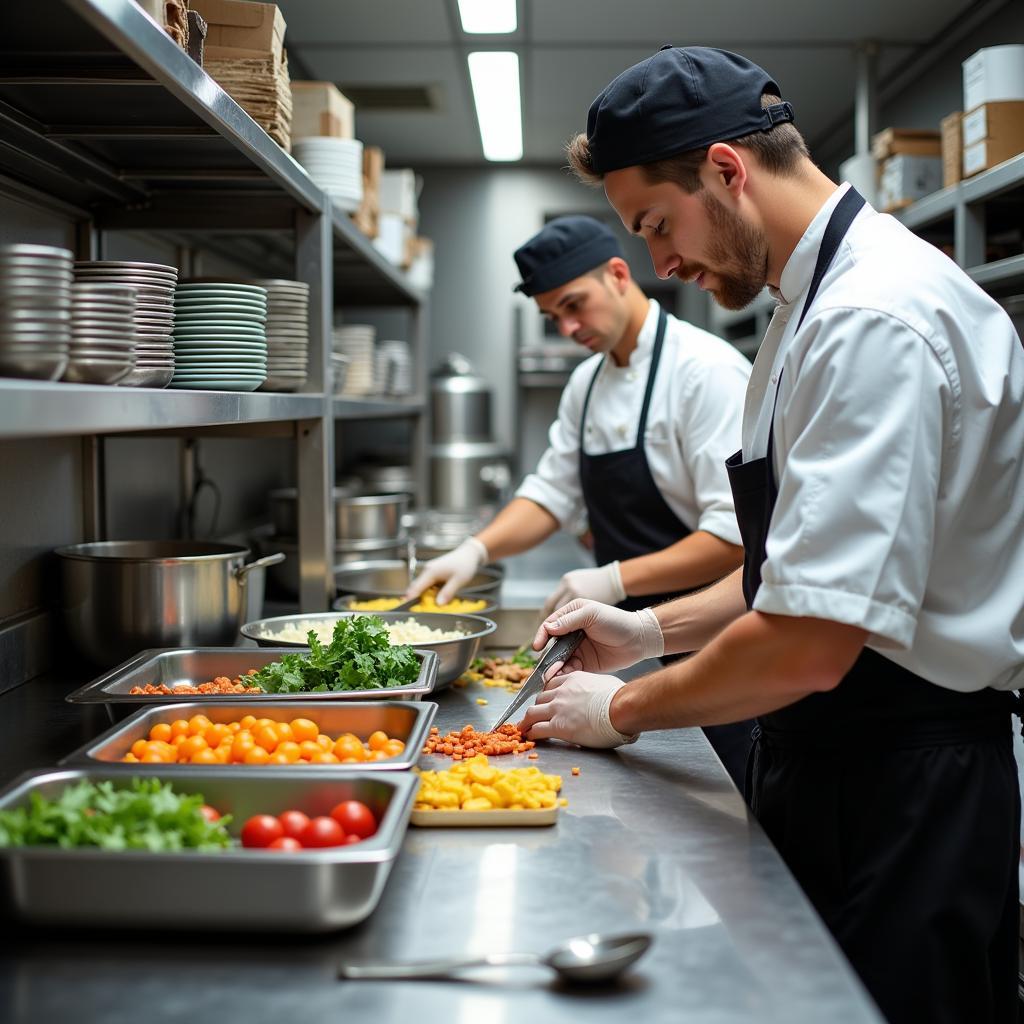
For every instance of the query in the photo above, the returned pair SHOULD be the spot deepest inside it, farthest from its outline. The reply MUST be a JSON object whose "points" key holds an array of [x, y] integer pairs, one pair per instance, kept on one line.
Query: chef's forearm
{"points": [[522, 524], [690, 623], [758, 664], [694, 561]]}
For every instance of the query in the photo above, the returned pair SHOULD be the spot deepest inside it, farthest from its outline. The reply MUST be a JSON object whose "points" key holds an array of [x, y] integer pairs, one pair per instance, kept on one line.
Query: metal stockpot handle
{"points": [[242, 572]]}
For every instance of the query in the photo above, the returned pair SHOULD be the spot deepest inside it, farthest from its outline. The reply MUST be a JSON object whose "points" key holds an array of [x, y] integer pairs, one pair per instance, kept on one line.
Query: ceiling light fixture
{"points": [[494, 76], [487, 17]]}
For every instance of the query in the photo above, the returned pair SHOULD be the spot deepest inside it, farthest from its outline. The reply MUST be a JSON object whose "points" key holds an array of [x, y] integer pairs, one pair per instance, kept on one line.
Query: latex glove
{"points": [[615, 639], [602, 584], [454, 570], [576, 708]]}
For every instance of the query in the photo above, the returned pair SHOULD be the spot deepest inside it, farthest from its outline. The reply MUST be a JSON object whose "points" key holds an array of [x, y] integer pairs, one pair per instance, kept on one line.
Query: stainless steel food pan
{"points": [[407, 721], [307, 891], [200, 664], [453, 656], [390, 578]]}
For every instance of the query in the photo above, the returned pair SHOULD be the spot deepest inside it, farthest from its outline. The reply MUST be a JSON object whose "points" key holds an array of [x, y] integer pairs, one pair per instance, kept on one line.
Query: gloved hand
{"points": [[615, 639], [454, 569], [602, 584], [575, 708]]}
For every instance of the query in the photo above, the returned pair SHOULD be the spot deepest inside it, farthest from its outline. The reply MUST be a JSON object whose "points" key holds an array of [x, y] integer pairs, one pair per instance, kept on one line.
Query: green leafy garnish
{"points": [[359, 657], [524, 658], [145, 815]]}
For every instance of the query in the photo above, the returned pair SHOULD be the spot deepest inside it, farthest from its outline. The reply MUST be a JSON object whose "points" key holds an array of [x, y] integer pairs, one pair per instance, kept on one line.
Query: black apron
{"points": [[629, 518], [894, 802]]}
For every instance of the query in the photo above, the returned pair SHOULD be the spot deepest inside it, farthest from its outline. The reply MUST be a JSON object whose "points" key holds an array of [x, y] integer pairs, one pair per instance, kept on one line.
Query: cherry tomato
{"points": [[209, 813], [352, 838], [355, 817], [322, 831], [289, 843], [260, 831], [293, 823]]}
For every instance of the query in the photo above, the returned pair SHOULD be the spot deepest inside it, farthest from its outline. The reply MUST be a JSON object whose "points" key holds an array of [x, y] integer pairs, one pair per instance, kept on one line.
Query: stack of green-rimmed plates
{"points": [[220, 341]]}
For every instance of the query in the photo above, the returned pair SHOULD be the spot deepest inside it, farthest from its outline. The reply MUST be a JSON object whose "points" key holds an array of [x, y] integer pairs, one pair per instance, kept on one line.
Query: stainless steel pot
{"points": [[286, 575], [284, 508], [466, 475], [460, 403], [120, 597]]}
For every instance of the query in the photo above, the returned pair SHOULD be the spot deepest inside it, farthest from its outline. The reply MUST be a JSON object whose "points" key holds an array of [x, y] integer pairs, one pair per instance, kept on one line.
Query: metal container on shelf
{"points": [[460, 402], [119, 597], [466, 475], [357, 517], [386, 479], [305, 891], [285, 575]]}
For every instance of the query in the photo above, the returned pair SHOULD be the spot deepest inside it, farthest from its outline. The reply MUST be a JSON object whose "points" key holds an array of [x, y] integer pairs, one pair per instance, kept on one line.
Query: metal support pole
{"points": [[94, 498], [419, 318], [865, 109], [315, 438], [969, 234]]}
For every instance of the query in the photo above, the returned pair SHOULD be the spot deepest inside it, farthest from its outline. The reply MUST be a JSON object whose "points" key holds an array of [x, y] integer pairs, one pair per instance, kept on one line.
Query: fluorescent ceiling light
{"points": [[495, 78], [487, 17]]}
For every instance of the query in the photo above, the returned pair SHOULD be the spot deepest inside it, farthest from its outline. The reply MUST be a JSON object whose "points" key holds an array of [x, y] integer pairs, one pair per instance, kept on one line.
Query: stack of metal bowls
{"points": [[366, 526], [102, 333], [153, 286], [35, 311]]}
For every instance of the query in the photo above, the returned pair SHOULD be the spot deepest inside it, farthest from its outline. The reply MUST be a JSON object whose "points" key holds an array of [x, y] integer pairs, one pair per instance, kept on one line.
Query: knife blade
{"points": [[559, 649]]}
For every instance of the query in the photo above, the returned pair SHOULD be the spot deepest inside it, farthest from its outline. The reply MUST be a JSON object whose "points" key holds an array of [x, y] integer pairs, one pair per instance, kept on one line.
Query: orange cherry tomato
{"points": [[349, 746], [191, 747], [377, 740], [284, 731], [205, 756], [256, 755], [198, 724], [326, 743], [216, 734], [266, 737], [278, 758], [139, 747], [161, 731], [179, 727], [304, 729], [394, 747], [289, 750], [324, 757], [247, 722], [307, 748]]}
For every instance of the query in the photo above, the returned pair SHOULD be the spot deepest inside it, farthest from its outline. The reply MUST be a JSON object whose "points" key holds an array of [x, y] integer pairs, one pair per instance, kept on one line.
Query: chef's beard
{"points": [[737, 255]]}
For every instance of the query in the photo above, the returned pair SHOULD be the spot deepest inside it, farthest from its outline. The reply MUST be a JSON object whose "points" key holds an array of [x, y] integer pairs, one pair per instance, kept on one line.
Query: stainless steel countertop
{"points": [[655, 836]]}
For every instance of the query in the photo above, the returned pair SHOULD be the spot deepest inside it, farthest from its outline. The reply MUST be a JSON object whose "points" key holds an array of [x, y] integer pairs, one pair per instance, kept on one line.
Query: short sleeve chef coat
{"points": [[898, 450], [693, 425]]}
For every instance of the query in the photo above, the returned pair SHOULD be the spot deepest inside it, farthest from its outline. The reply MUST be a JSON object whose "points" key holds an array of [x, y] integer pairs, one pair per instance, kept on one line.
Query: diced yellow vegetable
{"points": [[476, 785]]}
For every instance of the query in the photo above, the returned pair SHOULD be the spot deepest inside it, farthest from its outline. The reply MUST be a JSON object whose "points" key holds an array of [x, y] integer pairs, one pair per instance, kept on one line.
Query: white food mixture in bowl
{"points": [[408, 631]]}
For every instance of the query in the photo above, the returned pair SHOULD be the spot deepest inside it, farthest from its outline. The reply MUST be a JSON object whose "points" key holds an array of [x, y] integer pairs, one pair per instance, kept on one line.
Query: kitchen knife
{"points": [[559, 649]]}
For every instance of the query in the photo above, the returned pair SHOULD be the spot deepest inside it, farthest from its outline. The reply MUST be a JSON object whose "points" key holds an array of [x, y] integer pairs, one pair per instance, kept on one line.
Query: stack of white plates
{"points": [[220, 341], [336, 166], [287, 334], [357, 342], [102, 333], [35, 311], [153, 285], [394, 368]]}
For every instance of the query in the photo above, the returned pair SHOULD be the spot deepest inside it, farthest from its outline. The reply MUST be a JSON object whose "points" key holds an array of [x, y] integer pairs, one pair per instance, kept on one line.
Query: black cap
{"points": [[682, 98], [566, 248]]}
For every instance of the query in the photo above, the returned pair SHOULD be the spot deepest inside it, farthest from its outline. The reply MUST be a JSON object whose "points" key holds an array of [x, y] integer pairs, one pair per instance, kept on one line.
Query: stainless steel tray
{"points": [[404, 720], [200, 664], [242, 890]]}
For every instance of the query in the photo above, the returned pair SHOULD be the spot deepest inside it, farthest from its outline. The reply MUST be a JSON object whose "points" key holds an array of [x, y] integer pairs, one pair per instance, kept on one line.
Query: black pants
{"points": [[910, 856], [730, 742]]}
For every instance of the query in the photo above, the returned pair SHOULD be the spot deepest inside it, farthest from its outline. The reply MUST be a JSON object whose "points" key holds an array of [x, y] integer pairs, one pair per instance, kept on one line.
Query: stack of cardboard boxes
{"points": [[909, 166], [244, 52]]}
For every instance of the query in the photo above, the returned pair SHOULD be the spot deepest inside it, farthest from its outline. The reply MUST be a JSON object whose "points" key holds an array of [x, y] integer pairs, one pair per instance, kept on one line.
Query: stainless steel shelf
{"points": [[98, 106], [45, 409], [376, 408], [1006, 271], [362, 276], [543, 379], [938, 206]]}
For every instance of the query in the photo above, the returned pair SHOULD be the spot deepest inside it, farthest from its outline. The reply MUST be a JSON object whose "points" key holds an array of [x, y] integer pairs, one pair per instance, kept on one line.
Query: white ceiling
{"points": [[570, 49]]}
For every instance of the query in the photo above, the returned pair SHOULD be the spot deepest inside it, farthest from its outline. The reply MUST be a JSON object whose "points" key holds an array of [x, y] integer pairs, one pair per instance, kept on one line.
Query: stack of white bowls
{"points": [[35, 311], [357, 342], [336, 166], [394, 368], [287, 334], [102, 333], [153, 285], [220, 341]]}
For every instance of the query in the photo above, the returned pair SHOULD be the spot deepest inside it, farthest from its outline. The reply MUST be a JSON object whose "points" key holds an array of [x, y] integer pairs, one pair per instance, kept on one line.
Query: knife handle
{"points": [[561, 649]]}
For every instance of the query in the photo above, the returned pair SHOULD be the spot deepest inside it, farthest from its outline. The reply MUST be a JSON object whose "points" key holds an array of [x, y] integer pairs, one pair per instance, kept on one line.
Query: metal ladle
{"points": [[586, 959]]}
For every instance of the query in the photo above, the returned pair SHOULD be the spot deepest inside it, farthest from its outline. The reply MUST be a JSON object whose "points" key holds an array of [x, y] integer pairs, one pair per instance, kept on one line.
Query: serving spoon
{"points": [[586, 959]]}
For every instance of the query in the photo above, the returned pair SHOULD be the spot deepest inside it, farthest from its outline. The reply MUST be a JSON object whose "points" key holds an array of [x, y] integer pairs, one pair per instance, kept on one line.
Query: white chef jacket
{"points": [[693, 425], [898, 445]]}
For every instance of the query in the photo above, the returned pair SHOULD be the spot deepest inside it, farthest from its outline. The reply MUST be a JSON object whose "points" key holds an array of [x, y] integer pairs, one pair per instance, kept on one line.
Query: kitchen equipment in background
{"points": [[390, 578], [336, 166], [35, 311], [285, 575], [394, 369], [356, 517], [102, 347], [339, 372], [356, 341], [436, 531], [467, 469], [119, 597], [220, 341], [287, 330], [386, 478], [153, 285], [460, 402]]}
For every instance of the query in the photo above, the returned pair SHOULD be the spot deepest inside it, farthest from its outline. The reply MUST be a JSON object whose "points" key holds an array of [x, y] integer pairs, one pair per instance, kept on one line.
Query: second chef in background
{"points": [[643, 431]]}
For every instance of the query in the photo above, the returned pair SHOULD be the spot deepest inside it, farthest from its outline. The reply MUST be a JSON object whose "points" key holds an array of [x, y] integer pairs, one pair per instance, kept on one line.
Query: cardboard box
{"points": [[398, 194], [952, 147], [992, 133], [906, 178], [861, 171], [242, 28], [320, 109], [911, 141], [994, 74]]}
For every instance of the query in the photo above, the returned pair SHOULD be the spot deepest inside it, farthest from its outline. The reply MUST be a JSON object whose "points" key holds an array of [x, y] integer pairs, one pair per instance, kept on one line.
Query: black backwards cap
{"points": [[681, 98], [566, 248]]}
